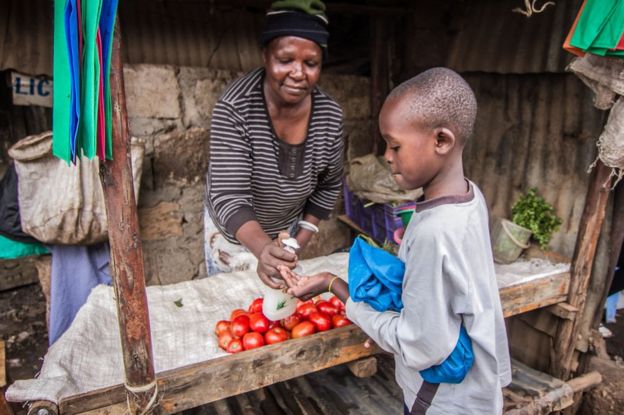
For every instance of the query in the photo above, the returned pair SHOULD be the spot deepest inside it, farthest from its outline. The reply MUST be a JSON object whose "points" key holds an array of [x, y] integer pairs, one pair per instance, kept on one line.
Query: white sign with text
{"points": [[29, 90]]}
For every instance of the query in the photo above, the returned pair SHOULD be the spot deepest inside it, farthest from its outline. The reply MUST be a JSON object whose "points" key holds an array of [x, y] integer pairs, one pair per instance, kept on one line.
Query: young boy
{"points": [[449, 272]]}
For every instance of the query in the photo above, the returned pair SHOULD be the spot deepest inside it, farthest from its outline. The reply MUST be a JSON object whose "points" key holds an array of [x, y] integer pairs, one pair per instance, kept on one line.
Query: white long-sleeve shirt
{"points": [[449, 278]]}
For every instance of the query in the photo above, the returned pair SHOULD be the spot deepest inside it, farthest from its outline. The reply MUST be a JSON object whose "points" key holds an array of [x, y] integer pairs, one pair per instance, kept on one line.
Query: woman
{"points": [[276, 150]]}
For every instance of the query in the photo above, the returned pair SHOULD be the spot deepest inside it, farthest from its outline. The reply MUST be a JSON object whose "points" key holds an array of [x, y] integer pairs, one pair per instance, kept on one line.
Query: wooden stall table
{"points": [[523, 287], [183, 317]]}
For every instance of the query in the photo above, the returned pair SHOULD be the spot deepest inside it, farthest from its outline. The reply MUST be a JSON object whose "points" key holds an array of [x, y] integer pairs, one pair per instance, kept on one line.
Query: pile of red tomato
{"points": [[249, 329]]}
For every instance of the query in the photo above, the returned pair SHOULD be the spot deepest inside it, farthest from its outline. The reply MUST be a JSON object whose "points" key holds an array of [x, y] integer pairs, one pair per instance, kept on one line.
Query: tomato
{"points": [[306, 309], [252, 341], [321, 321], [327, 308], [258, 323], [256, 306], [335, 301], [240, 326], [236, 313], [224, 339], [222, 326], [340, 321], [276, 335], [273, 324], [235, 346], [305, 328], [291, 321]]}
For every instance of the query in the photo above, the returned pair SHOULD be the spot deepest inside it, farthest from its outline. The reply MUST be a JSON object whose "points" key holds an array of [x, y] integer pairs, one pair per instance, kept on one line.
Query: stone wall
{"points": [[170, 107]]}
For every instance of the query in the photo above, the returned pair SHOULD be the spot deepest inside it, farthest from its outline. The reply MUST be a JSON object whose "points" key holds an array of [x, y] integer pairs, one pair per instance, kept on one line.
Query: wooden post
{"points": [[380, 74], [559, 398], [126, 250], [582, 262], [616, 242], [363, 368]]}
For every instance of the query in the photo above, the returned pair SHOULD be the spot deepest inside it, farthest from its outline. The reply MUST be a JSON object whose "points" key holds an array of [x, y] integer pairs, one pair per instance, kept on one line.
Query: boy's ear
{"points": [[445, 140]]}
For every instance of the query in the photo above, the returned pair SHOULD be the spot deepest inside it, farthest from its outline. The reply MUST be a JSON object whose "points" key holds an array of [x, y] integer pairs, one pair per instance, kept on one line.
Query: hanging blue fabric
{"points": [[107, 27], [376, 278], [71, 36]]}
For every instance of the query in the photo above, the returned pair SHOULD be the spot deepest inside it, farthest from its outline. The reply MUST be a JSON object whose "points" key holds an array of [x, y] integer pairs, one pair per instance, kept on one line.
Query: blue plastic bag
{"points": [[376, 278], [455, 368]]}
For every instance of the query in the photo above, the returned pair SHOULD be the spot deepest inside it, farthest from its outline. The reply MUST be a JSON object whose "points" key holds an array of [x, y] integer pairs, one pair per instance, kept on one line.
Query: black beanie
{"points": [[295, 23]]}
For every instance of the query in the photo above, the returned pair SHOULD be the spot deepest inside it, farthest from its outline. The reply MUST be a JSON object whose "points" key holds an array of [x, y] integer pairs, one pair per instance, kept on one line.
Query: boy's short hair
{"points": [[440, 97]]}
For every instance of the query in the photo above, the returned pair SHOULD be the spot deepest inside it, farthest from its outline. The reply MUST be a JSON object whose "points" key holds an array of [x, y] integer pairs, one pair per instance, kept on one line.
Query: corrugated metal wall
{"points": [[492, 38], [26, 36], [534, 131], [181, 33], [192, 33]]}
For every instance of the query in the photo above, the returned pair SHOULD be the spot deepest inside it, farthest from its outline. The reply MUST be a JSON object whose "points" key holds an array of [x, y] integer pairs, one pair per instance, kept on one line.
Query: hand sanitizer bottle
{"points": [[277, 304]]}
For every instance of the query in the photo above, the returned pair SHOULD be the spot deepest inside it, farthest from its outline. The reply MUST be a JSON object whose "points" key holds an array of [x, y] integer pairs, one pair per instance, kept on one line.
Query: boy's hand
{"points": [[305, 287]]}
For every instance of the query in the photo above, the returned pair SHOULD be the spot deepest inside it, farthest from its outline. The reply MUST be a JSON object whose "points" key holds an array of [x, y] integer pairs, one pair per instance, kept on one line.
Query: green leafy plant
{"points": [[534, 213]]}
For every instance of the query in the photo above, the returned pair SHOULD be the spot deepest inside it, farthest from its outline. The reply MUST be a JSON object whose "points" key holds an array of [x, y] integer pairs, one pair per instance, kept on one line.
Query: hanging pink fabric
{"points": [[101, 123]]}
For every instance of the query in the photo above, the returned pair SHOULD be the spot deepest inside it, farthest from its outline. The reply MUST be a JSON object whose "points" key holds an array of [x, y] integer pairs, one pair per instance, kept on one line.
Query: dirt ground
{"points": [[23, 329], [608, 397], [615, 344]]}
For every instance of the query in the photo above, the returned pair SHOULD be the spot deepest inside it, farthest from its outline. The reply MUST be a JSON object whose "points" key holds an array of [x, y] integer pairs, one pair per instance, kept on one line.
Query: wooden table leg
{"points": [[363, 368]]}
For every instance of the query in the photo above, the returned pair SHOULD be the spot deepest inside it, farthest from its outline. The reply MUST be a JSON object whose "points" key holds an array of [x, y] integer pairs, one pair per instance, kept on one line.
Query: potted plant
{"points": [[531, 216]]}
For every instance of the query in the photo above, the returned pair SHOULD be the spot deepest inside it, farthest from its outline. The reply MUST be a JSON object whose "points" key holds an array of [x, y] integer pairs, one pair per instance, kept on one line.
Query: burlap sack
{"points": [[59, 203], [611, 141], [370, 178], [604, 76]]}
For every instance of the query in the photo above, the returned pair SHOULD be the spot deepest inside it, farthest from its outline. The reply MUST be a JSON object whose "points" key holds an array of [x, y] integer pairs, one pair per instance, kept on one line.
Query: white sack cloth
{"points": [[88, 356]]}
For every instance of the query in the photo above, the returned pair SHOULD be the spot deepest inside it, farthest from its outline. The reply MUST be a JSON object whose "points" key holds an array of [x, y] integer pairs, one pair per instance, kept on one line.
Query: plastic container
{"points": [[379, 220], [508, 240], [277, 304]]}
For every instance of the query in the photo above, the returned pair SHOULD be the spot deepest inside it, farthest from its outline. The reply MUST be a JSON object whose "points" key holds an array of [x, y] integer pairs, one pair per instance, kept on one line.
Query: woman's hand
{"points": [[271, 256], [305, 287]]}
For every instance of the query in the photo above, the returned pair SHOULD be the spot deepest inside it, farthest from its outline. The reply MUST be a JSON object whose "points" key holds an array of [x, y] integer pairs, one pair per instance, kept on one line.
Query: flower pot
{"points": [[508, 240]]}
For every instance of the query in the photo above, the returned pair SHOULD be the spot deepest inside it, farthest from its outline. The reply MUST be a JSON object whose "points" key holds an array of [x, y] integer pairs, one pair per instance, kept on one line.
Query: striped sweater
{"points": [[253, 175]]}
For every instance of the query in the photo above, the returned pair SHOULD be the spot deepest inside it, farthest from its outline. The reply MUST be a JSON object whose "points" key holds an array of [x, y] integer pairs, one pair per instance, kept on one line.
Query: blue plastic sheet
{"points": [[376, 278]]}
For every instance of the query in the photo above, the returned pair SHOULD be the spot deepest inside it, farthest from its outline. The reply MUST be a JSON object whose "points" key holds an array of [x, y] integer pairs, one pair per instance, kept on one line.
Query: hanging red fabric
{"points": [[566, 43], [101, 117], [620, 45], [80, 36]]}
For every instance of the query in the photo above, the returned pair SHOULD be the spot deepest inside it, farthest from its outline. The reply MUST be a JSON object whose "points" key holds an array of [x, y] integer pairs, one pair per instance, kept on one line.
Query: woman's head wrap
{"points": [[300, 18]]}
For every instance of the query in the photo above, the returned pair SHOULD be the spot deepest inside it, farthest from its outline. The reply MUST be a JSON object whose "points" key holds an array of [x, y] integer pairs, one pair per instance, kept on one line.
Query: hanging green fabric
{"points": [[61, 145], [600, 28], [90, 78], [10, 249]]}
